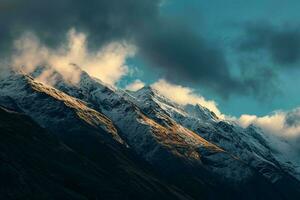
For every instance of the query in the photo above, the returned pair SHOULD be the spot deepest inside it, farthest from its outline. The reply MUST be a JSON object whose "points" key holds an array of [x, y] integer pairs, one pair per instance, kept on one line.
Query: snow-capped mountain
{"points": [[247, 144], [52, 108], [188, 146], [148, 136]]}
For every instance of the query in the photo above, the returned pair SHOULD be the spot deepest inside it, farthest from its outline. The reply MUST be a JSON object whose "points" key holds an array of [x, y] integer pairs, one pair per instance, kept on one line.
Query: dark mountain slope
{"points": [[121, 139], [219, 172], [36, 165]]}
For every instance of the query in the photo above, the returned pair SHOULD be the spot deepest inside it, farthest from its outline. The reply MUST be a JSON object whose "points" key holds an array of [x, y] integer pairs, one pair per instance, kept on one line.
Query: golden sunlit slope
{"points": [[51, 101], [87, 114], [179, 140]]}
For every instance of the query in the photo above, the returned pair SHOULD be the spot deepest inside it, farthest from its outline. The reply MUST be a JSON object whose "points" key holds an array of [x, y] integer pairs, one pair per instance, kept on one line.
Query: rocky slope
{"points": [[187, 146], [35, 164], [249, 145]]}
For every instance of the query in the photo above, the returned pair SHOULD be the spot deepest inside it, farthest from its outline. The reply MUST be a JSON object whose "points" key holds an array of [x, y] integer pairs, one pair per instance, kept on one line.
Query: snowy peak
{"points": [[158, 130], [247, 145], [150, 96], [146, 90], [140, 129], [41, 102], [149, 93], [200, 112]]}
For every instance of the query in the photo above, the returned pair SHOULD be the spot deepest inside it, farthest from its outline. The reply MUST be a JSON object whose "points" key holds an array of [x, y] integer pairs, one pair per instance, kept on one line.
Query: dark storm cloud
{"points": [[169, 44], [293, 118], [261, 81], [281, 43], [103, 20], [187, 57]]}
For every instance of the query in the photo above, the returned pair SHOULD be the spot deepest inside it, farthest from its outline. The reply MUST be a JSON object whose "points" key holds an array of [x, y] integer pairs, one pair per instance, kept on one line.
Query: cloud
{"points": [[270, 123], [282, 130], [293, 118], [186, 57], [261, 80], [283, 124], [106, 63], [105, 21], [169, 43], [184, 95], [281, 43], [136, 85]]}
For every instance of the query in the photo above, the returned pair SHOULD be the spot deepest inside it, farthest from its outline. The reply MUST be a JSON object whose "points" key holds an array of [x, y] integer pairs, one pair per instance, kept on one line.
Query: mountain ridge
{"points": [[189, 140]]}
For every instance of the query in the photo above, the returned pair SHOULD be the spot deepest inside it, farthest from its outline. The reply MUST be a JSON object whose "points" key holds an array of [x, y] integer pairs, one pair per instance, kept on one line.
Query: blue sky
{"points": [[242, 54], [222, 23]]}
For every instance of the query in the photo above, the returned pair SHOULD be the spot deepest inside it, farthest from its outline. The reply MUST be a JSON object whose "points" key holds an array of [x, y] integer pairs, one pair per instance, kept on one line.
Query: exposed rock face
{"points": [[188, 147]]}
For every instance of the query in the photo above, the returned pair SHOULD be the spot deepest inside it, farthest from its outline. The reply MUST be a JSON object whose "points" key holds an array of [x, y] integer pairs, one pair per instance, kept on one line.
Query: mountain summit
{"points": [[92, 141]]}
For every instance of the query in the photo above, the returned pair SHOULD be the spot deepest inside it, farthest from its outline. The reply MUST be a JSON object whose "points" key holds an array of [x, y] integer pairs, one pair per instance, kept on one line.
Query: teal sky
{"points": [[221, 22], [244, 55]]}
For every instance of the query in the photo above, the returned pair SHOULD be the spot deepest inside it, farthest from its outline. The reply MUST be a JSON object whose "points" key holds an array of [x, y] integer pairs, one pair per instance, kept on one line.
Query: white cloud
{"points": [[282, 130], [275, 123], [107, 63], [184, 95], [136, 85]]}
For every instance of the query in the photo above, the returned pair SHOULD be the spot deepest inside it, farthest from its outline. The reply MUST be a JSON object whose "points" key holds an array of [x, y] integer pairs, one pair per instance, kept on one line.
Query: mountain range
{"points": [[90, 140]]}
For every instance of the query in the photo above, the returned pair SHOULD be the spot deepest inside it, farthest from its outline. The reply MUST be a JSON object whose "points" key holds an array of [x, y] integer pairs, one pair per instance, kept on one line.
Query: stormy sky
{"points": [[242, 54]]}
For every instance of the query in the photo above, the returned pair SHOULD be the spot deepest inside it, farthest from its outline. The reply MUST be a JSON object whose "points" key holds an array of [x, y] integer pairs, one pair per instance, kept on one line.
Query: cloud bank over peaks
{"points": [[184, 95], [168, 42], [136, 85], [285, 124], [106, 63], [282, 128]]}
